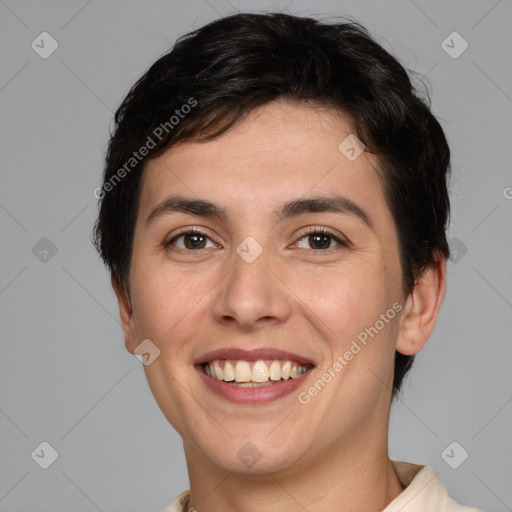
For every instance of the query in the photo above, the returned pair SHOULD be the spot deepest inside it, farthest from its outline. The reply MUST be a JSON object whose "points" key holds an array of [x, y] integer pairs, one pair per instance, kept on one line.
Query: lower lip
{"points": [[251, 395]]}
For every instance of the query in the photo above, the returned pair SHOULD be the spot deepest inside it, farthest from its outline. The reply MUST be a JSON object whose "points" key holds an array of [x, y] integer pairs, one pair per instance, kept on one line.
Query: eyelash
{"points": [[310, 231]]}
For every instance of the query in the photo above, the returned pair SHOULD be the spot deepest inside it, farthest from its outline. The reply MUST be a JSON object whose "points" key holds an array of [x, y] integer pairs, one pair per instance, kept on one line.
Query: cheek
{"points": [[347, 306], [360, 340], [346, 299], [162, 300]]}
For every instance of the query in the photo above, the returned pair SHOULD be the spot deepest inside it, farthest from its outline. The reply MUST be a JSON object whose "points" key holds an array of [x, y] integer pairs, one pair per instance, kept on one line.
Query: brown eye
{"points": [[192, 240], [320, 239]]}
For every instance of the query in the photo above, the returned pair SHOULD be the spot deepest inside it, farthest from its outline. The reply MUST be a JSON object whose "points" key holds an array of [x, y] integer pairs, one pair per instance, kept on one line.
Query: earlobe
{"points": [[422, 309], [126, 316]]}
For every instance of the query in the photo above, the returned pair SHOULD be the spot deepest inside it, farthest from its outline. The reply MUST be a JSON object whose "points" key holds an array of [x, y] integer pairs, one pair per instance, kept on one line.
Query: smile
{"points": [[254, 373], [252, 377]]}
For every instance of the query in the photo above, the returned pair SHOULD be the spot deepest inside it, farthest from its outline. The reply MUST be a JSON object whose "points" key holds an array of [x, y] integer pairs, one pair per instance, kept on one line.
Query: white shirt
{"points": [[423, 492]]}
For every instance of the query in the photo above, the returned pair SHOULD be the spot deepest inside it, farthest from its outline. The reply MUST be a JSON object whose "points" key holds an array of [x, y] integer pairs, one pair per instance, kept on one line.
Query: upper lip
{"points": [[252, 355]]}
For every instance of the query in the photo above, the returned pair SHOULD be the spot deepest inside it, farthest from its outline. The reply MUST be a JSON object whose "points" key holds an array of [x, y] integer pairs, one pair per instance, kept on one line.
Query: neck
{"points": [[347, 477]]}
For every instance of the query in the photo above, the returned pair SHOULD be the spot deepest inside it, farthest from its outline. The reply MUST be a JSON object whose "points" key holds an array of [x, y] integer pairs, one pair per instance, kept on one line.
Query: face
{"points": [[258, 286]]}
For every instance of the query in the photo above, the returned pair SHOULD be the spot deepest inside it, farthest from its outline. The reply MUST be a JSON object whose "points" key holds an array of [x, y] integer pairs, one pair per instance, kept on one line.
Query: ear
{"points": [[422, 308], [126, 315]]}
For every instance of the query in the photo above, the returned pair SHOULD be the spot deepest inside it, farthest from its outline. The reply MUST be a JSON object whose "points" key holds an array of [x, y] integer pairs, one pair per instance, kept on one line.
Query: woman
{"points": [[273, 215]]}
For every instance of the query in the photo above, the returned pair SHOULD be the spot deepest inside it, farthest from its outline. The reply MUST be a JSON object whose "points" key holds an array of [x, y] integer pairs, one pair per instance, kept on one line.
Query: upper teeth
{"points": [[261, 371]]}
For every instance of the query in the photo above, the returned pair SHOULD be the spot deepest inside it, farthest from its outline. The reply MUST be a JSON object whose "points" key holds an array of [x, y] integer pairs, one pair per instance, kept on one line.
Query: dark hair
{"points": [[217, 74]]}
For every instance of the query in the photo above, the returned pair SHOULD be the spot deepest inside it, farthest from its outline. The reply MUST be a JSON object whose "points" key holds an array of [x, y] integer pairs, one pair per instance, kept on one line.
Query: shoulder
{"points": [[423, 491], [179, 504]]}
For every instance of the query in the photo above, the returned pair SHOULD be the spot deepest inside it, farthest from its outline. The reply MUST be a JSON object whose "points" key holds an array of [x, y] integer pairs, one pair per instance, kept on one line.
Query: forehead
{"points": [[282, 150]]}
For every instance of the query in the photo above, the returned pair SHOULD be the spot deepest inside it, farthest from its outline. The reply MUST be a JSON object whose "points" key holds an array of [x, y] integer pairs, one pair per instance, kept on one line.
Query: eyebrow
{"points": [[199, 207]]}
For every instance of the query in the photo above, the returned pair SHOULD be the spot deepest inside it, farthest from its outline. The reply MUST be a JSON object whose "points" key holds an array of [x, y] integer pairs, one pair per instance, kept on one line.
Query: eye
{"points": [[193, 239], [320, 239]]}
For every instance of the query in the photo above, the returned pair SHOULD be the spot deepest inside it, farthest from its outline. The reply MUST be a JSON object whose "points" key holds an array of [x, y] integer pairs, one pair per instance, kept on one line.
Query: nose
{"points": [[253, 295]]}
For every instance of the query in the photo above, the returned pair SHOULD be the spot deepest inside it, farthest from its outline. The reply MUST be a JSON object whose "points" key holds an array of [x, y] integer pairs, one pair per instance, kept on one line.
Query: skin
{"points": [[330, 454]]}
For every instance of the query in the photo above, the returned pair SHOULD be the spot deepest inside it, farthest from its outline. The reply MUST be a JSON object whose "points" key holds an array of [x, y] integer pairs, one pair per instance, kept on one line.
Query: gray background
{"points": [[66, 377]]}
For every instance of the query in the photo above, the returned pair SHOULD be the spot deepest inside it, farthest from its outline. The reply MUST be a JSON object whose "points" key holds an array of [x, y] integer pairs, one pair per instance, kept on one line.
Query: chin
{"points": [[253, 454], [247, 458]]}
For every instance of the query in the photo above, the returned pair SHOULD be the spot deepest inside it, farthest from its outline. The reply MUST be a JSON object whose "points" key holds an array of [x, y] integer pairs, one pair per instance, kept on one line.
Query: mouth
{"points": [[251, 377], [254, 373]]}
